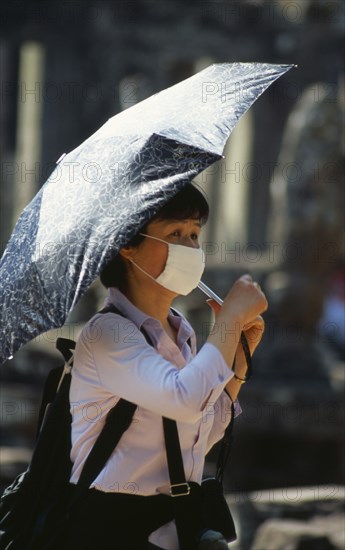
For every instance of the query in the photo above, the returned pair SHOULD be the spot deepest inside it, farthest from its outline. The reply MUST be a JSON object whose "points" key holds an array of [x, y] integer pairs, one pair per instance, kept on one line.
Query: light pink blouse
{"points": [[114, 360]]}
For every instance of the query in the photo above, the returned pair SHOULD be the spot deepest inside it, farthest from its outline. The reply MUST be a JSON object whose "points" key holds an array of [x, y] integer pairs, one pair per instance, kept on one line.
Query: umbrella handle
{"points": [[206, 290]]}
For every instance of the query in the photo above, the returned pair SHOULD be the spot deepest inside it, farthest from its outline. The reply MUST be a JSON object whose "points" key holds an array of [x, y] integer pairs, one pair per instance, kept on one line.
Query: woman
{"points": [[169, 378]]}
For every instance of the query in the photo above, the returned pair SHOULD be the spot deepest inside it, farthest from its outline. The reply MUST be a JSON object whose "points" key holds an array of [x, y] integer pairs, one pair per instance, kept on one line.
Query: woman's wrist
{"points": [[240, 364], [225, 335]]}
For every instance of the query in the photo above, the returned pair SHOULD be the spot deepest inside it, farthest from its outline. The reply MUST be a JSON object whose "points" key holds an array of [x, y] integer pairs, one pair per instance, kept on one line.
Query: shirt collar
{"points": [[129, 310], [117, 298]]}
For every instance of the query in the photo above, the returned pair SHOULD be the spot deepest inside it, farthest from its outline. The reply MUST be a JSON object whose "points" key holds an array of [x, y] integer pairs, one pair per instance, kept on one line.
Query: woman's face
{"points": [[151, 255]]}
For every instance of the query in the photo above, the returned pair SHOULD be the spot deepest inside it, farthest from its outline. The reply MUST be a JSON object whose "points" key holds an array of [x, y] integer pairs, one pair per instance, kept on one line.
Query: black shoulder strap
{"points": [[65, 346], [113, 309], [172, 443], [178, 482], [118, 420], [54, 379], [179, 487]]}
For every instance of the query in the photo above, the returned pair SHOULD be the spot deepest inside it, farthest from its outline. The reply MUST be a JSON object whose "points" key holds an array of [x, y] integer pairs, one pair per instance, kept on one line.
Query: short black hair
{"points": [[189, 203]]}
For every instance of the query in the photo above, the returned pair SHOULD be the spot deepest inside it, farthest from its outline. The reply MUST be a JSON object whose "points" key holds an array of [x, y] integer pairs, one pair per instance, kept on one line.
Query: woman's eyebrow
{"points": [[172, 221]]}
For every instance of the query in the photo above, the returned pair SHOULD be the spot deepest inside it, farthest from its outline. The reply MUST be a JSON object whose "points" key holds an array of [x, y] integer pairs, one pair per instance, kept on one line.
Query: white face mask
{"points": [[183, 269]]}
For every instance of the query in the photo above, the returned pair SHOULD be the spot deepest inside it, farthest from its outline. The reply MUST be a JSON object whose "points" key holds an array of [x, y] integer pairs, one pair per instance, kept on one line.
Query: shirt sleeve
{"points": [[127, 366]]}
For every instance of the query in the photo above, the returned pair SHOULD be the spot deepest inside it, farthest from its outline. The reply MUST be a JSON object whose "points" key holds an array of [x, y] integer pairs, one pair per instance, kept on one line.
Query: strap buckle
{"points": [[179, 489]]}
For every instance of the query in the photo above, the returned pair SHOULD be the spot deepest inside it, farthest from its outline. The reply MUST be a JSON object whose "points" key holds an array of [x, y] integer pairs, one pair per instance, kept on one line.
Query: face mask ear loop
{"points": [[141, 269], [138, 266], [166, 242], [155, 238]]}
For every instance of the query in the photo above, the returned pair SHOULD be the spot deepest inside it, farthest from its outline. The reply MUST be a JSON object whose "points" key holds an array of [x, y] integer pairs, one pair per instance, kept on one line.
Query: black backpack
{"points": [[38, 488], [35, 504]]}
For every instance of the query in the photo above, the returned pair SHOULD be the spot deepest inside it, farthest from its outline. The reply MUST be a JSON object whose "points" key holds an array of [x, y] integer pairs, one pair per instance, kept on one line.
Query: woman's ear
{"points": [[126, 252]]}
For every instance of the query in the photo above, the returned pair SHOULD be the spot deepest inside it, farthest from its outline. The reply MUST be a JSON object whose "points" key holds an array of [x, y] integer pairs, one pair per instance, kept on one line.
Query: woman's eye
{"points": [[178, 233]]}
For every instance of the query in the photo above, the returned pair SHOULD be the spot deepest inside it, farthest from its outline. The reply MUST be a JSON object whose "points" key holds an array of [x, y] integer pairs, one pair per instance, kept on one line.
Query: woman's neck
{"points": [[153, 302]]}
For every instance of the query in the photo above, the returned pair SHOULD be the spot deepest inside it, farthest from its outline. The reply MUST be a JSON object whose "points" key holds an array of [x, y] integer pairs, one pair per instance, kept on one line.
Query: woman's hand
{"points": [[254, 332], [244, 302], [253, 299]]}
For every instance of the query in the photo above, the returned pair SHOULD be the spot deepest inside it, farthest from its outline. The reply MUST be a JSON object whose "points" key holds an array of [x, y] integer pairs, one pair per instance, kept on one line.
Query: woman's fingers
{"points": [[258, 322], [245, 301], [214, 305], [254, 332], [243, 304]]}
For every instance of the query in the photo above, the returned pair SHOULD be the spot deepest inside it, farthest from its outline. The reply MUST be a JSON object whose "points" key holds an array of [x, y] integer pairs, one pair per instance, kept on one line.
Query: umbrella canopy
{"points": [[103, 191]]}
